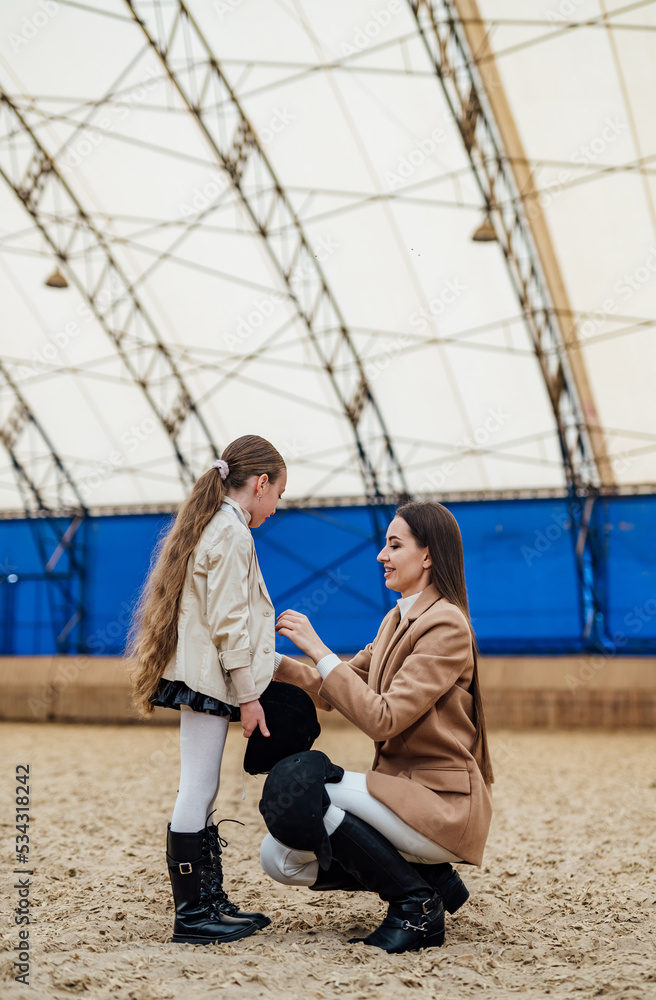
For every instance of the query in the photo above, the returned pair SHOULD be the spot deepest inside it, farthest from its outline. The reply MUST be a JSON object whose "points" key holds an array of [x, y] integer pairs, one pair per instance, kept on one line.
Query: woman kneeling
{"points": [[426, 802]]}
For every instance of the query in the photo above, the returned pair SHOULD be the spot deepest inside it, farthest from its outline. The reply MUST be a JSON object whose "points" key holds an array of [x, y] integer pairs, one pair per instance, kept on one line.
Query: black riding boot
{"points": [[190, 871], [415, 917], [220, 899], [445, 880], [336, 878], [442, 877]]}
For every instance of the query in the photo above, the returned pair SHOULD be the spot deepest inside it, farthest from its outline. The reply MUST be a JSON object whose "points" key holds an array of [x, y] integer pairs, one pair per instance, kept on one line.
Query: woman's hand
{"points": [[252, 716], [297, 627]]}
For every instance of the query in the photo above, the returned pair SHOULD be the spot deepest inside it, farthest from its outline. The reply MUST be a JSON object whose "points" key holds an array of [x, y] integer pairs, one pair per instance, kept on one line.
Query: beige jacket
{"points": [[409, 691], [226, 615]]}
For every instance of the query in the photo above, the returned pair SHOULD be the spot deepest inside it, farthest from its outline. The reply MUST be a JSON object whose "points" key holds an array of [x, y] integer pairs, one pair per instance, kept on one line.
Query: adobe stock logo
{"points": [[543, 540], [448, 293], [31, 26], [262, 310], [371, 29]]}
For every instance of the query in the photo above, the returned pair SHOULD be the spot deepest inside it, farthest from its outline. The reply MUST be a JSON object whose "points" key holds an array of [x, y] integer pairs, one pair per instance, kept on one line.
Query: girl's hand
{"points": [[252, 716], [297, 627]]}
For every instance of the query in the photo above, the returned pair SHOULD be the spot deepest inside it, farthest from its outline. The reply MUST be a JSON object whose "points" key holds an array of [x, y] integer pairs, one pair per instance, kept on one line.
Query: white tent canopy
{"points": [[347, 109]]}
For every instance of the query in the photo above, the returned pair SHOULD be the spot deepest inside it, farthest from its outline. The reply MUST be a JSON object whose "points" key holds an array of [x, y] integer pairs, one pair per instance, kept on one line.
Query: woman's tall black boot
{"points": [[415, 916], [442, 877], [335, 878], [190, 870], [445, 880], [220, 899]]}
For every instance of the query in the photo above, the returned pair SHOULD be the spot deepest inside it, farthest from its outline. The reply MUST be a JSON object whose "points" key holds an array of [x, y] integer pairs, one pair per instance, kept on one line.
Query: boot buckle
{"points": [[185, 868], [428, 906], [407, 926]]}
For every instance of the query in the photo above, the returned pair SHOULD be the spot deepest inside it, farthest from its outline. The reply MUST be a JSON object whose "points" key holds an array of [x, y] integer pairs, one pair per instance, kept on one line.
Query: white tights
{"points": [[202, 739], [350, 794]]}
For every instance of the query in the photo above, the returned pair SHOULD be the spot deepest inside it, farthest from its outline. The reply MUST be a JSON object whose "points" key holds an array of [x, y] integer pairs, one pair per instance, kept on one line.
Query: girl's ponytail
{"points": [[154, 631]]}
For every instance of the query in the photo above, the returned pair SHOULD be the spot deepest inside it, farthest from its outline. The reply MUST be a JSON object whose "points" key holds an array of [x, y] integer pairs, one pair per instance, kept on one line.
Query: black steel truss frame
{"points": [[57, 521], [205, 91], [85, 254], [233, 142], [455, 64], [455, 68]]}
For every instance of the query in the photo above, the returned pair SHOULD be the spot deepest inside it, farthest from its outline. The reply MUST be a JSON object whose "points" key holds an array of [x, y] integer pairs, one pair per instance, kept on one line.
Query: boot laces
{"points": [[218, 896], [205, 887]]}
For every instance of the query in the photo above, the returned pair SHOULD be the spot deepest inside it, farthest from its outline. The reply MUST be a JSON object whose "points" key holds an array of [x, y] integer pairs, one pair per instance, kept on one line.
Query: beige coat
{"points": [[408, 691], [226, 615]]}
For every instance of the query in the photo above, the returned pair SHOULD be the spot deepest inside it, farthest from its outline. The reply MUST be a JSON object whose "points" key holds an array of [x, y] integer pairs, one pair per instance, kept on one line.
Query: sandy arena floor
{"points": [[565, 904]]}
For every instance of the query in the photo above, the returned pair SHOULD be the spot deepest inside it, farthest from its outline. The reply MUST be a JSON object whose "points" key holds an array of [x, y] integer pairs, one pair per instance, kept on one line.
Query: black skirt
{"points": [[173, 694]]}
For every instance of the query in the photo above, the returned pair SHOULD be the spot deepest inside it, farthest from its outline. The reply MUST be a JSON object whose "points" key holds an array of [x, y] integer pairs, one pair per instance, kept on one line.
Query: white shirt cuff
{"points": [[277, 657], [326, 664]]}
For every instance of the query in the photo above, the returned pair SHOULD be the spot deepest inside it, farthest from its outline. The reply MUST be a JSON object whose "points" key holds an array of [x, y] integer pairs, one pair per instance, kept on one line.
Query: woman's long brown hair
{"points": [[434, 527], [153, 634]]}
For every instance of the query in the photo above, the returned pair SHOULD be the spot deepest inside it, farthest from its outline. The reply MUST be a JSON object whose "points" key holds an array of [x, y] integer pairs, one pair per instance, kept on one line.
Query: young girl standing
{"points": [[203, 642]]}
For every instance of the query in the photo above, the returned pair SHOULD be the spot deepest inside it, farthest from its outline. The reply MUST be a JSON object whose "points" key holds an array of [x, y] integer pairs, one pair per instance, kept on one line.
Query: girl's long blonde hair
{"points": [[154, 630]]}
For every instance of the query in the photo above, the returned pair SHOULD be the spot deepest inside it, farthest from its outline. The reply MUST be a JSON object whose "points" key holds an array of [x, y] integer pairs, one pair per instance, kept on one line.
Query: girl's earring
{"points": [[259, 496]]}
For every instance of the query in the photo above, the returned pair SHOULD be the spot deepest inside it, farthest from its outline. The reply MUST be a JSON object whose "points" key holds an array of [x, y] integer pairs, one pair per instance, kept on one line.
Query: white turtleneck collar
{"points": [[405, 603]]}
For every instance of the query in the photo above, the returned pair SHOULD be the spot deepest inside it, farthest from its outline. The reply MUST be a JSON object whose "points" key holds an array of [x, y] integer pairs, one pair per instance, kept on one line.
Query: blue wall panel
{"points": [[631, 528], [323, 563], [25, 604], [519, 562], [120, 553], [521, 574]]}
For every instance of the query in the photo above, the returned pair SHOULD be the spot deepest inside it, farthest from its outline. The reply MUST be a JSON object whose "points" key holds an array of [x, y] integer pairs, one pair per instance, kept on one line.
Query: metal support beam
{"points": [[84, 252], [56, 514], [564, 318], [476, 98], [589, 536], [303, 503], [208, 96]]}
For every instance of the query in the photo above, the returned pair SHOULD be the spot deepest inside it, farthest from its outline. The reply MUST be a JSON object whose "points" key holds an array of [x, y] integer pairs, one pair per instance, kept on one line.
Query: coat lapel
{"points": [[397, 628], [260, 578], [382, 646]]}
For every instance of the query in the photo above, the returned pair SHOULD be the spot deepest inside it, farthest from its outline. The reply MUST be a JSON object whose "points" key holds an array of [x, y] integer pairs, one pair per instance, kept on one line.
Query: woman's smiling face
{"points": [[407, 567]]}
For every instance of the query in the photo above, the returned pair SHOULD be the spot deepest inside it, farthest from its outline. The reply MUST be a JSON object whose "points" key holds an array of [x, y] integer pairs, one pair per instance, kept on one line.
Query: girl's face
{"points": [[271, 493], [407, 567]]}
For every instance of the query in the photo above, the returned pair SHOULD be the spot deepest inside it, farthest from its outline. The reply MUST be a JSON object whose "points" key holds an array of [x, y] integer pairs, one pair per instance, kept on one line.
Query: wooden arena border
{"points": [[520, 692]]}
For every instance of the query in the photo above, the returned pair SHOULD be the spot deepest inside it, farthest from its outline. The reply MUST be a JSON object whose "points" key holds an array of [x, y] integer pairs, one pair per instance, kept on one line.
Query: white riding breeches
{"points": [[292, 867]]}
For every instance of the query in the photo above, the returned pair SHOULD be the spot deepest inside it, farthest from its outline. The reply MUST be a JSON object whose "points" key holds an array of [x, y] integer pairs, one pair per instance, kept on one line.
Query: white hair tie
{"points": [[222, 466]]}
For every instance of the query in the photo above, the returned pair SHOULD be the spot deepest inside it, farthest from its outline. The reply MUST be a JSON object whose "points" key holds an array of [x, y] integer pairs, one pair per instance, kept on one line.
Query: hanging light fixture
{"points": [[485, 232], [57, 280]]}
